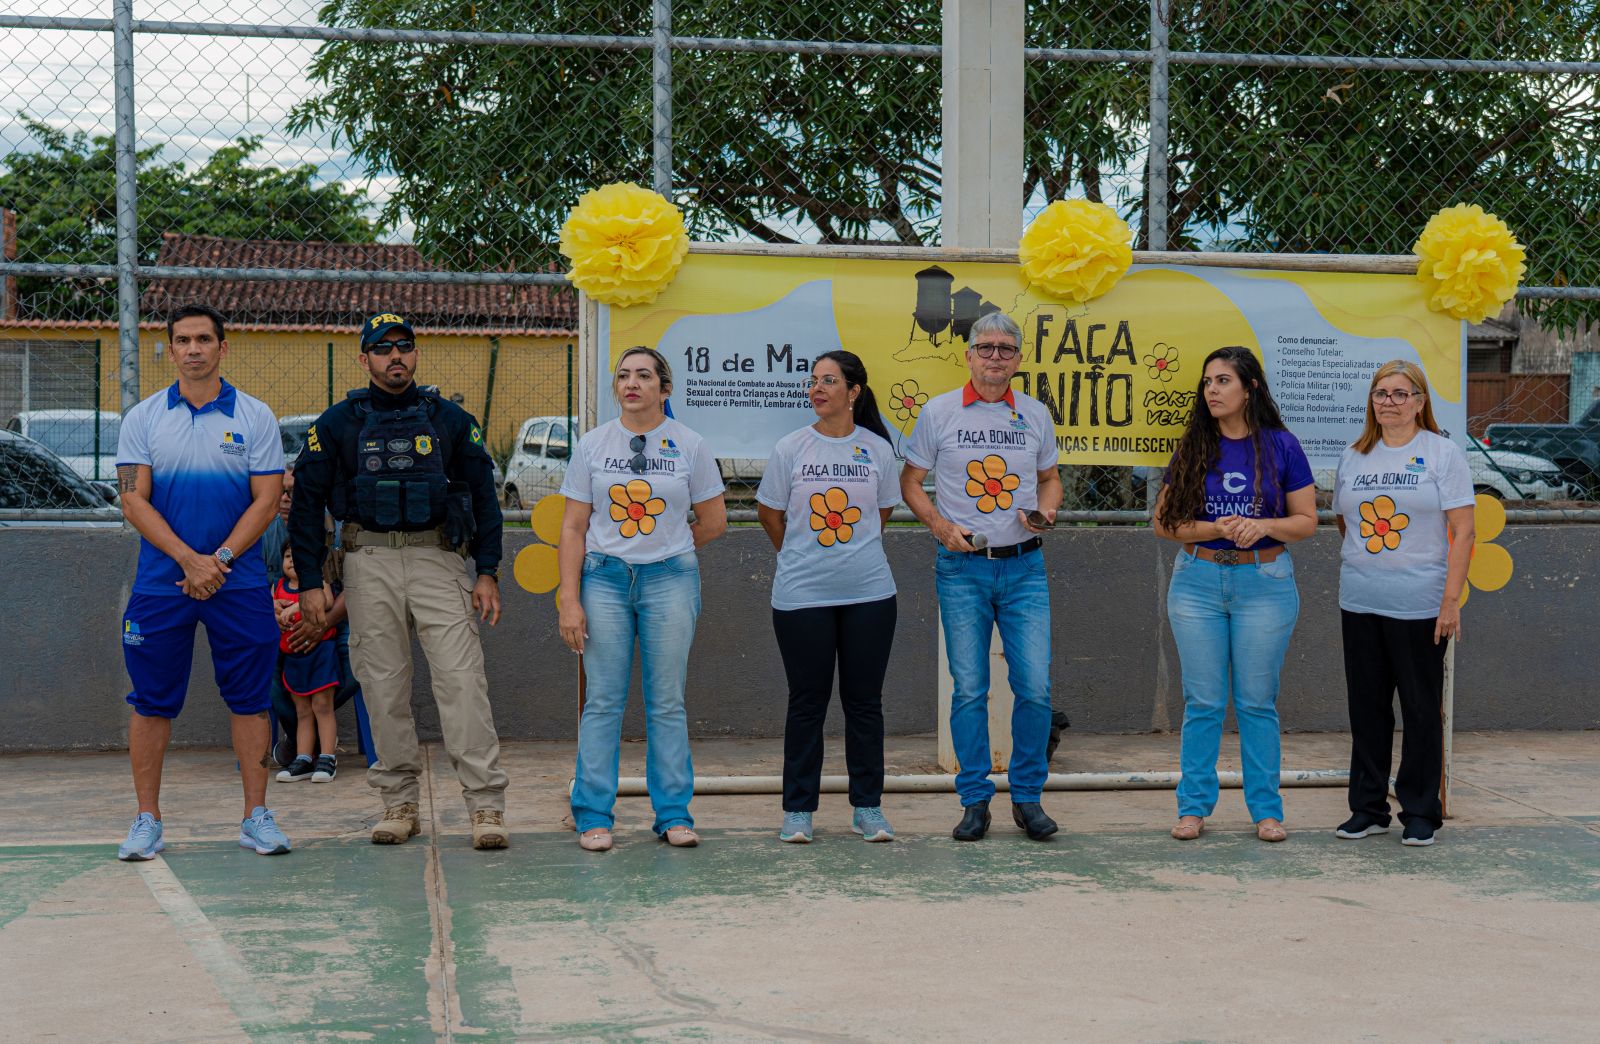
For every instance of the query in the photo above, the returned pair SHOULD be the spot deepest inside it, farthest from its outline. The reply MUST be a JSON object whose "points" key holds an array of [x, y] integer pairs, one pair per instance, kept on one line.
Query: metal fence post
{"points": [[330, 373], [661, 97], [98, 412], [1155, 201], [127, 203]]}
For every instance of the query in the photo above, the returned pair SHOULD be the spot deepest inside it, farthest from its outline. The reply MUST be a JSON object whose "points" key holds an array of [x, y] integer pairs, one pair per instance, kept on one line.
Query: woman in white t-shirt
{"points": [[1405, 503], [825, 494], [628, 571]]}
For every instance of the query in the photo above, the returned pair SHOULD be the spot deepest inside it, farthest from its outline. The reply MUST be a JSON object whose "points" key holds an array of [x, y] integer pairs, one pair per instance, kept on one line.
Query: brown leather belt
{"points": [[1233, 556]]}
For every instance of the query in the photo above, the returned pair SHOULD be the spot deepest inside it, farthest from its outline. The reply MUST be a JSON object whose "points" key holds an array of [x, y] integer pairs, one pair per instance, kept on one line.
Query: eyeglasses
{"points": [[996, 351], [827, 381], [383, 348], [636, 462], [1399, 398]]}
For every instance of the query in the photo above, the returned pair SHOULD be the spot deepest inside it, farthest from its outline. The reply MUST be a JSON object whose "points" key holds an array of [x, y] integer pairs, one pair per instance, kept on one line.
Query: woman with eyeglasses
{"points": [[826, 492], [1404, 497], [629, 571], [1237, 491]]}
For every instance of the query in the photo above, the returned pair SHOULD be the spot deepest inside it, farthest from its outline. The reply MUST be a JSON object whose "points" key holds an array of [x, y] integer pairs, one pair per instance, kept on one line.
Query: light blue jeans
{"points": [[977, 594], [1232, 627], [658, 604]]}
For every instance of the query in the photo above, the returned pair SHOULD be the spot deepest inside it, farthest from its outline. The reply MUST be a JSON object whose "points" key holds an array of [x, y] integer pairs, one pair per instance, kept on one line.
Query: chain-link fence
{"points": [[328, 160]]}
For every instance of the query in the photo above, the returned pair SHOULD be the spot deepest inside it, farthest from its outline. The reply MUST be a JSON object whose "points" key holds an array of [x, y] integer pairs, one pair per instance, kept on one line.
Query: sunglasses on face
{"points": [[636, 462], [996, 351], [383, 348]]}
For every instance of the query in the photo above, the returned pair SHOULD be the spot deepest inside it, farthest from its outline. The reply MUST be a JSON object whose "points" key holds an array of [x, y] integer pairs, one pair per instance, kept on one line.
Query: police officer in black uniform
{"points": [[407, 473]]}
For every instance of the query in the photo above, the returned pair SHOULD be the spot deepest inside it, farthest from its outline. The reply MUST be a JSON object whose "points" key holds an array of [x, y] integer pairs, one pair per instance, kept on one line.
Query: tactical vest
{"points": [[400, 482]]}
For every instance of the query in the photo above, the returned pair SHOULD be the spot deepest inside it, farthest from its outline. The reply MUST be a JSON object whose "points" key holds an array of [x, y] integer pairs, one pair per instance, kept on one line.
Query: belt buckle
{"points": [[396, 538], [1226, 556]]}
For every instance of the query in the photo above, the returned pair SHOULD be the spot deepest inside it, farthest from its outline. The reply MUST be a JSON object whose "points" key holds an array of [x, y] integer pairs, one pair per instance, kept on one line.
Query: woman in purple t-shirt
{"points": [[1238, 488]]}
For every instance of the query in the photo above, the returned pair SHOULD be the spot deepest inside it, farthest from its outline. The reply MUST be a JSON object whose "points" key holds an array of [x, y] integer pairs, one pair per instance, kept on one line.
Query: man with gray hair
{"points": [[992, 451]]}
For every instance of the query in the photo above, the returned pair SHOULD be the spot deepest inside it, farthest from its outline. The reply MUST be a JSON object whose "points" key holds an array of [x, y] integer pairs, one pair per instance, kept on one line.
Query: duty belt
{"points": [[355, 536]]}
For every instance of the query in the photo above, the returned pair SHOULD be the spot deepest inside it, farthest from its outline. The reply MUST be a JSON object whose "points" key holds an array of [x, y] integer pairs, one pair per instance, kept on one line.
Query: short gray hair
{"points": [[995, 321]]}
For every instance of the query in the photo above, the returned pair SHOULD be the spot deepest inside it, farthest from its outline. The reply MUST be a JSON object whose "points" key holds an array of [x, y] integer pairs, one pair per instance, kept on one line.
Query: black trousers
{"points": [[858, 637], [1383, 655]]}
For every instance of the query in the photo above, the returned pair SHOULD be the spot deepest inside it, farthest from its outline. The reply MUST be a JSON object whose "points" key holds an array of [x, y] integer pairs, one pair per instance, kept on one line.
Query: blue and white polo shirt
{"points": [[200, 465]]}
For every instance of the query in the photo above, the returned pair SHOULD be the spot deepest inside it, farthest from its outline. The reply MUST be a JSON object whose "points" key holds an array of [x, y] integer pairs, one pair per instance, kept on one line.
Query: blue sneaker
{"points": [[261, 833], [870, 824], [144, 839], [796, 828]]}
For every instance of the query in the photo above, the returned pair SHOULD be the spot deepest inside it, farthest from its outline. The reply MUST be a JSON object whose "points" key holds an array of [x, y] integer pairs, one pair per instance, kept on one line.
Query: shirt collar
{"points": [[224, 403], [969, 395]]}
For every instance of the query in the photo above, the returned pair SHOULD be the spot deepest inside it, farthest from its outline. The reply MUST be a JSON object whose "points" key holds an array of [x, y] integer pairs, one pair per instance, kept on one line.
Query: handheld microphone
{"points": [[978, 541]]}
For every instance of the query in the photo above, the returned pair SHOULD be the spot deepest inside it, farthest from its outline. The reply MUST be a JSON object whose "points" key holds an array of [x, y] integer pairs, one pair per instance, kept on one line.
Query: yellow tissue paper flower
{"points": [[1468, 262], [625, 244], [1076, 249]]}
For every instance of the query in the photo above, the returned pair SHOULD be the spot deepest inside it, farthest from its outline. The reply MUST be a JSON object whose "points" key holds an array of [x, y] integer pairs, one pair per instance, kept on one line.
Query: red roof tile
{"points": [[464, 308]]}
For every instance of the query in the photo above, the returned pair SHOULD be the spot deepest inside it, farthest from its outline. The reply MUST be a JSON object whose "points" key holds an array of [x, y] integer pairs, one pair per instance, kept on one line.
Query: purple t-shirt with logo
{"points": [[1231, 482]]}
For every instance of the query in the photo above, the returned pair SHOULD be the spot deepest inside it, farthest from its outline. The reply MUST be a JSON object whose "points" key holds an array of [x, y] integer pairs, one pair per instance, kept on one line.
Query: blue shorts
{"points": [[313, 671], [158, 648]]}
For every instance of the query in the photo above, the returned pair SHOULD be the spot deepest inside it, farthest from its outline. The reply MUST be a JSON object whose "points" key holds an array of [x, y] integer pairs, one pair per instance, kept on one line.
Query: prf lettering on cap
{"points": [[387, 317]]}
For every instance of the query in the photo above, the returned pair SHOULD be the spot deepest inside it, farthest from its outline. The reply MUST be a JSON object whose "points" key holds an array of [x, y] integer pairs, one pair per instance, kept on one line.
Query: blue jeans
{"points": [[976, 594], [658, 604], [1232, 627]]}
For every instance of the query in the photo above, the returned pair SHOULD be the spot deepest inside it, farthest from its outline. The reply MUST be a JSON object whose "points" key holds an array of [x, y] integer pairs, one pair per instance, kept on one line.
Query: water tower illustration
{"points": [[934, 304], [966, 307]]}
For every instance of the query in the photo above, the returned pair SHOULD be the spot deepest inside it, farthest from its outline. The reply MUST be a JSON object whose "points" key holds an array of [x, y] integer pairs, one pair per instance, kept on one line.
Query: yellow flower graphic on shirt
{"points": [[832, 517], [1381, 524], [1490, 569], [990, 483], [634, 507]]}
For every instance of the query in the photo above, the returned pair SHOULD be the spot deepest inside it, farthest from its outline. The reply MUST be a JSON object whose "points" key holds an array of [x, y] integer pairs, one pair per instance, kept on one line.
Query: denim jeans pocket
{"points": [[1280, 568], [591, 562], [688, 562], [948, 563], [1181, 563]]}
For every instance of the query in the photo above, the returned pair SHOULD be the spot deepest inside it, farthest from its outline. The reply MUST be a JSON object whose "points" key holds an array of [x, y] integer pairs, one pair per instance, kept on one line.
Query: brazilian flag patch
{"points": [[477, 435]]}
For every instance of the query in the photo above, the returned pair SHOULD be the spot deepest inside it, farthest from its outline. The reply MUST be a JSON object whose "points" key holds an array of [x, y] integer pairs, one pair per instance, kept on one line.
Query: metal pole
{"points": [[1155, 200], [330, 373], [127, 201], [97, 410], [661, 75], [572, 438], [488, 390]]}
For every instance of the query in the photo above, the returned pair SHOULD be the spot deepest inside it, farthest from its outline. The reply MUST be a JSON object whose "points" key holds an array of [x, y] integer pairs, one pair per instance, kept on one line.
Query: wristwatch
{"points": [[224, 555]]}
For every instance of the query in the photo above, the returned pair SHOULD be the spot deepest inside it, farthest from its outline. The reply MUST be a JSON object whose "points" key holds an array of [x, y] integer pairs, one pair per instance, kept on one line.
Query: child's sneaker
{"points": [[261, 833], [327, 768], [870, 824], [144, 839], [300, 768]]}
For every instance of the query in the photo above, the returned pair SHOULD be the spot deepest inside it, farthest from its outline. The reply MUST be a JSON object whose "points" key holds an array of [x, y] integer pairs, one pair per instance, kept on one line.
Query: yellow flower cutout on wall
{"points": [[990, 483], [1381, 525], [1468, 262], [1075, 250], [536, 566], [906, 399], [635, 508], [625, 244], [832, 517], [1162, 362], [1490, 569]]}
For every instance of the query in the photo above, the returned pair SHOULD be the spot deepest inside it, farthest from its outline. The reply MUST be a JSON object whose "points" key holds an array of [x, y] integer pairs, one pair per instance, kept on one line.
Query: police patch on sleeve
{"points": [[312, 442], [477, 435]]}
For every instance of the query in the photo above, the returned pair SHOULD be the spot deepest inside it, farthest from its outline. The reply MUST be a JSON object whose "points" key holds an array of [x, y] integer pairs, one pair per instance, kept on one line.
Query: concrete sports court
{"points": [[1112, 931]]}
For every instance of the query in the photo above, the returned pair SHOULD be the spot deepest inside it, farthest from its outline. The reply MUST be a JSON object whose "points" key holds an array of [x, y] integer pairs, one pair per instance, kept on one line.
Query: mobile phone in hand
{"points": [[1037, 520]]}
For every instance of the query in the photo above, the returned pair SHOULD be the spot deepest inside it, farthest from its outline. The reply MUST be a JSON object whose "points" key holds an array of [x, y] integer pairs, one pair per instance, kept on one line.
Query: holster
{"points": [[460, 525], [333, 561]]}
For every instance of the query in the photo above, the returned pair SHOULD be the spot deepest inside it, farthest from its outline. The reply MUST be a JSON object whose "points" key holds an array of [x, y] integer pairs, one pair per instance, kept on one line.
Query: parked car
{"points": [[1575, 448], [538, 460], [1501, 474], [34, 479], [70, 435]]}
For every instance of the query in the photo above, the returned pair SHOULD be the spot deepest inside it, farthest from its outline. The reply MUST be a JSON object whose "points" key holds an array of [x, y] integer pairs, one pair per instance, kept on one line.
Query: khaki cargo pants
{"points": [[388, 592]]}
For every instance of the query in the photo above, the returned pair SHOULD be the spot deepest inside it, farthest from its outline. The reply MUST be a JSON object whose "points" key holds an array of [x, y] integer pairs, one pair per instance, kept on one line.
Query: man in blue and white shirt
{"points": [[200, 471]]}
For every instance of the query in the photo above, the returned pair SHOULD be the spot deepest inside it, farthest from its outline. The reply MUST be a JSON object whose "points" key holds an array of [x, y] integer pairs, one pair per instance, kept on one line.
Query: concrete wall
{"points": [[1527, 662]]}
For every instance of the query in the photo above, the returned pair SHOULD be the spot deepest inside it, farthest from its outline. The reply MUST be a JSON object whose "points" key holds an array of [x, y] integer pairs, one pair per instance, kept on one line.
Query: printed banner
{"points": [[1118, 375]]}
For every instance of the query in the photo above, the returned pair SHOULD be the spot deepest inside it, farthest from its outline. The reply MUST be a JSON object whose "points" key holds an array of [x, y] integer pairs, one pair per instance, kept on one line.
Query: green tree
{"points": [[64, 193]]}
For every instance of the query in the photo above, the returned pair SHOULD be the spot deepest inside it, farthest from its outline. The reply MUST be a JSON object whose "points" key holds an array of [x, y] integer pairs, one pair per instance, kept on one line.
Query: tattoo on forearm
{"points": [[127, 479]]}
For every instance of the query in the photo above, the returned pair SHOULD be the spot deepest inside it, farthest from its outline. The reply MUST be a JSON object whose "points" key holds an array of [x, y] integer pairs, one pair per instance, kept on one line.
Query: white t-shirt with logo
{"points": [[985, 459], [1393, 500], [641, 517], [830, 491]]}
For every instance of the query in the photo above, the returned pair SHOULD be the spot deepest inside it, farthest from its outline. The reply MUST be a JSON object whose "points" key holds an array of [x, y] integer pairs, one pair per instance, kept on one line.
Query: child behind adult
{"points": [[310, 676]]}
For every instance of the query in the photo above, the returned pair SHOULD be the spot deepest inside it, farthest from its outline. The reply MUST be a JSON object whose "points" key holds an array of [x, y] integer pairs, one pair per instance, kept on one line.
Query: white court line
{"points": [[207, 945]]}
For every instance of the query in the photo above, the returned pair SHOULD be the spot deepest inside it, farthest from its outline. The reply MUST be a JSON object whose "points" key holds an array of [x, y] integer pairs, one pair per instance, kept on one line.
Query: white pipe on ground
{"points": [[634, 786]]}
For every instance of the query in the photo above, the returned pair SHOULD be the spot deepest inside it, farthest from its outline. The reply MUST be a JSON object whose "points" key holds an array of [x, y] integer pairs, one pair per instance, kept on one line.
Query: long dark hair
{"points": [[1201, 445], [865, 412]]}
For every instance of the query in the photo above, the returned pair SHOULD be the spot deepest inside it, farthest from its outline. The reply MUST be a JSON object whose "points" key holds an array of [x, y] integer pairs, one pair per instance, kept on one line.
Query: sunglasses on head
{"points": [[383, 348], [636, 462]]}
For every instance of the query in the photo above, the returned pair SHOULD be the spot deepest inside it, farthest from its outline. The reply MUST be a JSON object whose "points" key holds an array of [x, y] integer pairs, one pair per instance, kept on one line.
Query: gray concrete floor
{"points": [[1111, 931]]}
